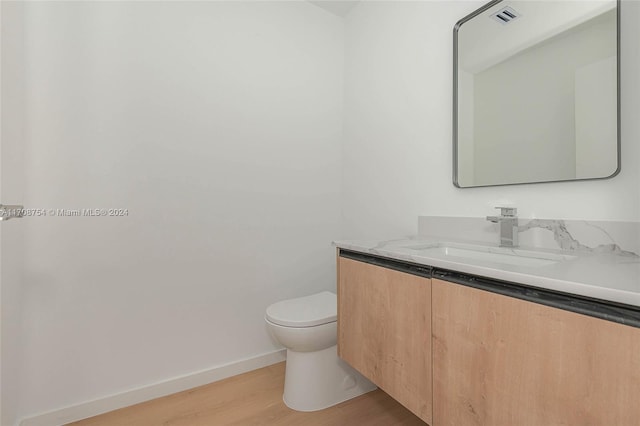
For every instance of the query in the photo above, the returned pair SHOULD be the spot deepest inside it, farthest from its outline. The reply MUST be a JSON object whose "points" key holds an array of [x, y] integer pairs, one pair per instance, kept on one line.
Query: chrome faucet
{"points": [[508, 222]]}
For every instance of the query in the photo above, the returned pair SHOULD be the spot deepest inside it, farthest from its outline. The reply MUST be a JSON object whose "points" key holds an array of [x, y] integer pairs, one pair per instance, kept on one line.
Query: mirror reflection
{"points": [[536, 93]]}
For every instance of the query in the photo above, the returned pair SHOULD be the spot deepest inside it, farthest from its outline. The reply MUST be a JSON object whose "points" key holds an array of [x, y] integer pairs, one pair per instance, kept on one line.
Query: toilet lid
{"points": [[308, 311]]}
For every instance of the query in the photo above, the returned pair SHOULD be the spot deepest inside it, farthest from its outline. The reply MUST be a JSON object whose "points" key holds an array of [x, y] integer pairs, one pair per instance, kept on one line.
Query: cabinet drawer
{"points": [[501, 361], [384, 330]]}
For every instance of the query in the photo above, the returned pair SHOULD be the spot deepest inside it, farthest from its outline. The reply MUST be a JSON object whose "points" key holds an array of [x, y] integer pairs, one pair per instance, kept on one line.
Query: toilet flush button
{"points": [[348, 382]]}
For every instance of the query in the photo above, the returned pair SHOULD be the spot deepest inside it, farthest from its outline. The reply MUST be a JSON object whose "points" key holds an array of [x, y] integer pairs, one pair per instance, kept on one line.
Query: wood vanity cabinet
{"points": [[502, 361], [384, 330]]}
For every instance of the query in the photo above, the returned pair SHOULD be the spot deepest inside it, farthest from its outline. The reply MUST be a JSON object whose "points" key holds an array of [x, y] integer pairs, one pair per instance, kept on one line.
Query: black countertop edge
{"points": [[385, 262], [597, 308]]}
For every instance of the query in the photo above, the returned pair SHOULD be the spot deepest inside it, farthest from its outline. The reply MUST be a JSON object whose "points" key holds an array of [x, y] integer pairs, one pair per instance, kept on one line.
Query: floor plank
{"points": [[253, 399]]}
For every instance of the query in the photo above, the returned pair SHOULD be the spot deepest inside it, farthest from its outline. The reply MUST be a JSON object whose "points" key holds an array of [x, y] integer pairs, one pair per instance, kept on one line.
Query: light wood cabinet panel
{"points": [[501, 361], [384, 330]]}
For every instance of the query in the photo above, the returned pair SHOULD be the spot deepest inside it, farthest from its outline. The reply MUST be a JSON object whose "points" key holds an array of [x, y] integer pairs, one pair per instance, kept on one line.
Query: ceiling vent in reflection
{"points": [[505, 15]]}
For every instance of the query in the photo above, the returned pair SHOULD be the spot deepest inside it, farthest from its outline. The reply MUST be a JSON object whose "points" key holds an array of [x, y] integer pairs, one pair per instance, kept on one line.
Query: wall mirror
{"points": [[536, 93]]}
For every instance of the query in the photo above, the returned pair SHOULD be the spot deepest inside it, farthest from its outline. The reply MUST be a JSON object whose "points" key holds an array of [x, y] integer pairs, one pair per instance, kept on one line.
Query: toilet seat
{"points": [[308, 311]]}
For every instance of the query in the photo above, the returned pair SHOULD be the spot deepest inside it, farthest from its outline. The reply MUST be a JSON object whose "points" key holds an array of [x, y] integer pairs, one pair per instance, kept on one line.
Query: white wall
{"points": [[218, 126], [397, 149], [11, 192], [596, 88], [466, 126]]}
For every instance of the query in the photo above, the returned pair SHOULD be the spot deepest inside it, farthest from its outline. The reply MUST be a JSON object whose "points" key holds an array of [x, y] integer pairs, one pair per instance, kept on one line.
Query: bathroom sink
{"points": [[504, 255]]}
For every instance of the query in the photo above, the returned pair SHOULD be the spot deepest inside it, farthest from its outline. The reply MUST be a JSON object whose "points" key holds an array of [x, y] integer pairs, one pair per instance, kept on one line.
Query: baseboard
{"points": [[136, 396]]}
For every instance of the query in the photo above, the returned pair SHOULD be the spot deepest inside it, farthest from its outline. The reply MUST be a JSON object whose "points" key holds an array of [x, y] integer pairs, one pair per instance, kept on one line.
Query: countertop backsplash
{"points": [[571, 235]]}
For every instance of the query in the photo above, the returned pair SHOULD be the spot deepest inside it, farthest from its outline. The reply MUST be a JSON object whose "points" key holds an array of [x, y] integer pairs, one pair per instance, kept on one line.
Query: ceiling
{"points": [[483, 41], [337, 7]]}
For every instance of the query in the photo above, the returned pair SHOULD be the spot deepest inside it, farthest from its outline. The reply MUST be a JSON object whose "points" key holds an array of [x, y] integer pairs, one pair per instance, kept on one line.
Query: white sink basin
{"points": [[501, 255]]}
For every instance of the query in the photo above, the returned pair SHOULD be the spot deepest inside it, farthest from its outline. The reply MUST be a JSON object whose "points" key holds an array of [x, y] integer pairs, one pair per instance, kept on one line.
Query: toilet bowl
{"points": [[315, 378]]}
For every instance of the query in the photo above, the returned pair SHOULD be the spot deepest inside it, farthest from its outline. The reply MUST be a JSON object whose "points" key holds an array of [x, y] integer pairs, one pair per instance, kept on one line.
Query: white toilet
{"points": [[315, 377]]}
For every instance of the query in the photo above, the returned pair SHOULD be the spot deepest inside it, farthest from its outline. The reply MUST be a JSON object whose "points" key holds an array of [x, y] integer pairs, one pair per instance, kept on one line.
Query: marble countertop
{"points": [[611, 276]]}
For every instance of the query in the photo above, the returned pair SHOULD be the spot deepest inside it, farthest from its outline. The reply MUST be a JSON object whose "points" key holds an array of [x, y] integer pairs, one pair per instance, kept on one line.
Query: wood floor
{"points": [[253, 398]]}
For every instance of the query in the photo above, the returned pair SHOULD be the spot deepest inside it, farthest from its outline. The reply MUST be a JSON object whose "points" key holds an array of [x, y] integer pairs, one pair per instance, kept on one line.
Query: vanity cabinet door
{"points": [[384, 331], [501, 361]]}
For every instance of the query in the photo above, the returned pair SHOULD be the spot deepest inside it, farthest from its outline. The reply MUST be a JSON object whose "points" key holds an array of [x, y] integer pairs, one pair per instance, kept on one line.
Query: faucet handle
{"points": [[508, 211]]}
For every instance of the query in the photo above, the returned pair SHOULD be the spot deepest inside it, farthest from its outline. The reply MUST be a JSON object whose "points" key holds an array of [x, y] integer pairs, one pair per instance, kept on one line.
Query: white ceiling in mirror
{"points": [[337, 7], [533, 24]]}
